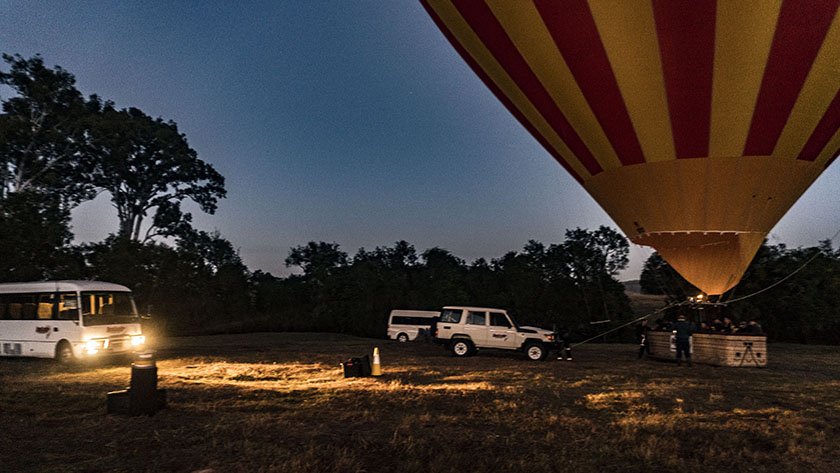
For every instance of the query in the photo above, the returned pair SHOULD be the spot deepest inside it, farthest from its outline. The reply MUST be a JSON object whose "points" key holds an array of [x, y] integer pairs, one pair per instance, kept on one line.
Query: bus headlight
{"points": [[92, 346], [138, 340]]}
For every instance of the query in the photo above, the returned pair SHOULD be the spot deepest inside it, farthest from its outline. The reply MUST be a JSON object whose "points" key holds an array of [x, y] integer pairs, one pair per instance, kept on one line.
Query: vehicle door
{"points": [[45, 313], [66, 323], [476, 327], [502, 334], [38, 310], [450, 321]]}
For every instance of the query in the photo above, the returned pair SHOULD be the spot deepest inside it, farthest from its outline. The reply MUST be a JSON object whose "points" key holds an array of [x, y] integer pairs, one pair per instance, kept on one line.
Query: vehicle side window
{"points": [[400, 320], [476, 318], [68, 306], [19, 306], [498, 319], [46, 305], [405, 320], [451, 316]]}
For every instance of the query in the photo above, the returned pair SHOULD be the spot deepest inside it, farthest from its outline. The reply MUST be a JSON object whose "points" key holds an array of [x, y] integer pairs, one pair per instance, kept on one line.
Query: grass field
{"points": [[277, 402]]}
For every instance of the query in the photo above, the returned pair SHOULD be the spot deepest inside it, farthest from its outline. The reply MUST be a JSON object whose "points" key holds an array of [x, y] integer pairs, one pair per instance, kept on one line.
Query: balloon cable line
{"points": [[675, 304], [800, 268]]}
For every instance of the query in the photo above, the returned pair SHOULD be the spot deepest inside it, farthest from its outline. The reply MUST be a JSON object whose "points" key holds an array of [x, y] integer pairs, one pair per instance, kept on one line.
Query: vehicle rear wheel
{"points": [[64, 353], [462, 348], [535, 351], [402, 338]]}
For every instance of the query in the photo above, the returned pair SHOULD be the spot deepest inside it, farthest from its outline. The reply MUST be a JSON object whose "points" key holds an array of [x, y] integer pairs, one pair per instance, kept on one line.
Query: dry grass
{"points": [[277, 402]]}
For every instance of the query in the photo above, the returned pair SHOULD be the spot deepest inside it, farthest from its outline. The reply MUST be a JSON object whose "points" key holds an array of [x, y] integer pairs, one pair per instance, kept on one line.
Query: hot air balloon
{"points": [[695, 124]]}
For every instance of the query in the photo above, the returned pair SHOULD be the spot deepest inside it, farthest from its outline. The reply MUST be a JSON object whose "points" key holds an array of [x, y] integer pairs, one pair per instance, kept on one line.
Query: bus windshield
{"points": [[102, 308]]}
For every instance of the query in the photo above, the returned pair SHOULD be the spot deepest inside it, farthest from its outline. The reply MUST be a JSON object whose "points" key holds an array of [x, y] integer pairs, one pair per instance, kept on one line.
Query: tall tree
{"points": [[45, 168], [147, 165], [35, 239], [44, 132], [317, 260], [592, 260], [591, 254]]}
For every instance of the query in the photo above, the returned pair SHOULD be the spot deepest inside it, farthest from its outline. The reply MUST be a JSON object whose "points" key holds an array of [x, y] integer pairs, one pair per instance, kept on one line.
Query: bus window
{"points": [[29, 310], [15, 311], [100, 308], [68, 306], [27, 306], [46, 306]]}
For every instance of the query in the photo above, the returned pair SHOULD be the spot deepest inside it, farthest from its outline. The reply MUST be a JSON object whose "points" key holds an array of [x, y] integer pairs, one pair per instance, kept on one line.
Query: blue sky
{"points": [[354, 122]]}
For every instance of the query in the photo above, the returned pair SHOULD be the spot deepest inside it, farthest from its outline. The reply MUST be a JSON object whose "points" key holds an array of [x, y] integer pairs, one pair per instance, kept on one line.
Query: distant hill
{"points": [[642, 303], [633, 285]]}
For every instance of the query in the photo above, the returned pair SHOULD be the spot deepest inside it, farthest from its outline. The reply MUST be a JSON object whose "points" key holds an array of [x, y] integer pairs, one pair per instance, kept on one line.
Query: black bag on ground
{"points": [[357, 367], [353, 368]]}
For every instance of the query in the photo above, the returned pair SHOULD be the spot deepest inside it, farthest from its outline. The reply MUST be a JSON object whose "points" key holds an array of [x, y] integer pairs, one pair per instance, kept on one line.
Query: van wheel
{"points": [[535, 351], [462, 348], [402, 338], [64, 353]]}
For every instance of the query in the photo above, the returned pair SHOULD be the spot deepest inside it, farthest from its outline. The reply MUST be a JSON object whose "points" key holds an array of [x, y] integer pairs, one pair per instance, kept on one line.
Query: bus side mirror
{"points": [[148, 314]]}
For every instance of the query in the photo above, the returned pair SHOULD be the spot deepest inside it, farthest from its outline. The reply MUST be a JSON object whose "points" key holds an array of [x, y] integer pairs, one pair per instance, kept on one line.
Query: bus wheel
{"points": [[64, 353], [402, 338]]}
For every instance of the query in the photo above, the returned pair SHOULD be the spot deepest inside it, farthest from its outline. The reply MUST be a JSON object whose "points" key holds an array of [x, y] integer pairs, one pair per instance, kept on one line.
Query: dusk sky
{"points": [[353, 122]]}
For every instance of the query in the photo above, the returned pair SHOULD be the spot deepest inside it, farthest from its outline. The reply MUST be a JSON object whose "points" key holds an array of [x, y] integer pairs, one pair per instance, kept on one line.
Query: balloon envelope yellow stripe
{"points": [[629, 36], [526, 29], [742, 44]]}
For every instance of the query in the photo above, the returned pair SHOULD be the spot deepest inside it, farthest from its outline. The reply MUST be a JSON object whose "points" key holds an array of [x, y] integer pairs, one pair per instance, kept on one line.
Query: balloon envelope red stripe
{"points": [[800, 33], [497, 91], [574, 31], [833, 157], [686, 33], [824, 131], [494, 37]]}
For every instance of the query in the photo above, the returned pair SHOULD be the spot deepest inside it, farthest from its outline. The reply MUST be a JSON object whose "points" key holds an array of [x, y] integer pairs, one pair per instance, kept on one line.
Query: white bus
{"points": [[68, 320], [405, 325]]}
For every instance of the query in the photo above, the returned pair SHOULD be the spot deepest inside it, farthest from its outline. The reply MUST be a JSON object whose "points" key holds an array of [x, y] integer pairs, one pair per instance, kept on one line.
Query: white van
{"points": [[405, 325], [68, 320]]}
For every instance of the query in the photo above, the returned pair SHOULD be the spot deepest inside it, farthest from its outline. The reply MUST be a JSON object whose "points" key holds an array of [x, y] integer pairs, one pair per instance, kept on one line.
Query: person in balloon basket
{"points": [[683, 330], [752, 327], [642, 331], [728, 326]]}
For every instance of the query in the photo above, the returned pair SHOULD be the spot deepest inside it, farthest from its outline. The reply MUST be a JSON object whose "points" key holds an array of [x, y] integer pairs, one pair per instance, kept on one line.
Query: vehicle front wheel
{"points": [[462, 348], [64, 353], [535, 351], [402, 338]]}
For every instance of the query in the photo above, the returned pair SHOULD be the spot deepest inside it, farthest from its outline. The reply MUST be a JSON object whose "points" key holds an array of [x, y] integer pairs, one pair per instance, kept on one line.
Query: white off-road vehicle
{"points": [[464, 330]]}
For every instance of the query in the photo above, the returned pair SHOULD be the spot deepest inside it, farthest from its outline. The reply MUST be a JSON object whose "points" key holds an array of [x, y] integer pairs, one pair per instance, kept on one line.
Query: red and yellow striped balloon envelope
{"points": [[695, 124]]}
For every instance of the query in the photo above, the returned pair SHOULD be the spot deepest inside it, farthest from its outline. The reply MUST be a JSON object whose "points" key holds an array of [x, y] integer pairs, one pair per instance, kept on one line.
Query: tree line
{"points": [[568, 284], [59, 149]]}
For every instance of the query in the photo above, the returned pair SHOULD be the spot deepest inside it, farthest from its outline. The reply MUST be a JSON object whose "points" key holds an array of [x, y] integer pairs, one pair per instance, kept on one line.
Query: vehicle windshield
{"points": [[104, 307]]}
